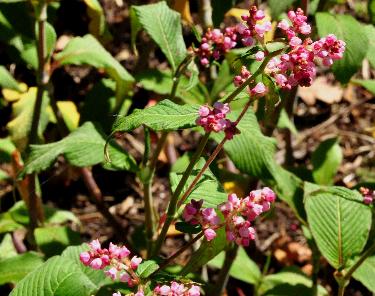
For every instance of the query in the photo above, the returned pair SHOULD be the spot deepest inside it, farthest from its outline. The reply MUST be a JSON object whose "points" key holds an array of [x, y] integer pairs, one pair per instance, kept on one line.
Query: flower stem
{"points": [[370, 251]]}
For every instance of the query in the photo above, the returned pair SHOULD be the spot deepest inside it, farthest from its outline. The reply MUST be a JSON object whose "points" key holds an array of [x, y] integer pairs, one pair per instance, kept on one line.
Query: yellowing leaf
{"points": [[183, 7], [11, 95], [69, 113], [97, 25], [23, 110], [237, 12]]}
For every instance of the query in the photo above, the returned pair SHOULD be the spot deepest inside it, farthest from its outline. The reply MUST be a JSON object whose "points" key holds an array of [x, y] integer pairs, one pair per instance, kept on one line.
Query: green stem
{"points": [[370, 251], [172, 207], [222, 281]]}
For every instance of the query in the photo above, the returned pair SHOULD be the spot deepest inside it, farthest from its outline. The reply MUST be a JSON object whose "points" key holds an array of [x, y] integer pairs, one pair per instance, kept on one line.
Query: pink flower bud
{"points": [[209, 234], [259, 56], [125, 277], [116, 294], [95, 245], [204, 111], [112, 273], [96, 263], [295, 41], [259, 89], [135, 262], [283, 25], [139, 293], [164, 290], [259, 15], [194, 291], [85, 258]]}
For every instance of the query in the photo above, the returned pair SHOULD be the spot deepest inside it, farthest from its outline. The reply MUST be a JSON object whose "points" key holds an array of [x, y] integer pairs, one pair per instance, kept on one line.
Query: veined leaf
{"points": [[23, 110], [164, 27], [326, 160], [83, 147], [146, 268], [347, 28], [339, 222], [13, 269], [88, 51], [243, 268], [165, 115], [208, 188]]}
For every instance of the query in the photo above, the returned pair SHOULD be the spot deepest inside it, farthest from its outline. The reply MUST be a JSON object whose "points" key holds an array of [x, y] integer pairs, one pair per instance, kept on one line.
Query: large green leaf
{"points": [[165, 115], [83, 147], [279, 6], [88, 51], [347, 28], [370, 31], [7, 248], [366, 273], [7, 80], [339, 221], [208, 188], [19, 127], [15, 268], [164, 27], [326, 160], [243, 268], [206, 252]]}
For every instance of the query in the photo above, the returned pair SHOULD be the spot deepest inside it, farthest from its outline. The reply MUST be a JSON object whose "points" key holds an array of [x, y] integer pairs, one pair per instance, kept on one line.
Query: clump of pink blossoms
{"points": [[368, 195], [238, 215], [176, 289], [207, 218], [214, 120], [258, 90], [215, 43], [298, 66], [116, 258]]}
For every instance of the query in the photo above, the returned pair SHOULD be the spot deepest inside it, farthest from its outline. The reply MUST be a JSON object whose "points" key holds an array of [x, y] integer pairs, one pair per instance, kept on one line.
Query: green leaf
{"points": [[53, 240], [6, 149], [206, 252], [19, 127], [339, 222], [366, 273], [219, 8], [285, 122], [370, 31], [88, 51], [164, 116], [208, 188], [7, 249], [57, 277], [97, 26], [7, 80], [347, 28], [83, 147], [243, 268], [188, 227], [146, 268], [120, 160], [164, 27], [224, 78], [14, 269], [7, 224], [367, 84], [326, 160], [279, 6], [161, 82], [371, 10], [50, 36]]}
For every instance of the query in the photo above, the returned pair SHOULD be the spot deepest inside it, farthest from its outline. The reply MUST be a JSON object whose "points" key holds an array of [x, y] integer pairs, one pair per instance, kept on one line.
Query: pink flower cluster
{"points": [[368, 195], [114, 257], [215, 43], [258, 90], [207, 218], [238, 214], [214, 120], [176, 289], [139, 293], [254, 27], [298, 67], [235, 210]]}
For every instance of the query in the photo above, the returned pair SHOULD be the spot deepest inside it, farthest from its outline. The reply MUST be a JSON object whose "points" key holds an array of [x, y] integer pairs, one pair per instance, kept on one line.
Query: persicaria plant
{"points": [[183, 148]]}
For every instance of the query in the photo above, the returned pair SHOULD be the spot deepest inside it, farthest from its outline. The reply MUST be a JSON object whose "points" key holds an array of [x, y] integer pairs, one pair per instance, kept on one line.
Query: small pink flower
{"points": [[248, 41], [204, 111], [139, 293], [96, 263], [164, 290], [95, 245], [85, 258], [259, 89], [125, 277], [259, 56], [283, 25], [194, 291], [135, 261], [112, 273], [294, 41], [209, 234], [116, 294]]}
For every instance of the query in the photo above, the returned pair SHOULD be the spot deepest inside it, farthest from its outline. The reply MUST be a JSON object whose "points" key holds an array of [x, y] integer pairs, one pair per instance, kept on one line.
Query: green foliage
{"points": [[339, 222], [345, 27], [83, 147], [188, 227], [164, 116], [208, 188], [7, 248], [164, 27], [53, 240], [206, 252], [88, 51], [219, 8], [243, 268], [366, 273], [7, 80], [370, 31], [326, 160], [279, 6], [367, 84], [146, 268], [62, 275], [15, 268]]}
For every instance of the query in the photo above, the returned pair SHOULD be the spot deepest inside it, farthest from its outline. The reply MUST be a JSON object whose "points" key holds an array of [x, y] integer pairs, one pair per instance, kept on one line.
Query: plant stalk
{"points": [[370, 251]]}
